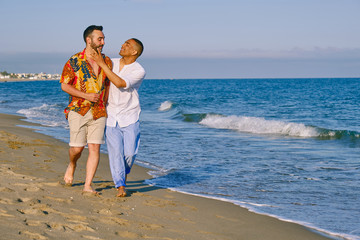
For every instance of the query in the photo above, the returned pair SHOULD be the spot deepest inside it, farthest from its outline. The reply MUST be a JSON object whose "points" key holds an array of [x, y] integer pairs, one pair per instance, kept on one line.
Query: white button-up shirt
{"points": [[123, 104]]}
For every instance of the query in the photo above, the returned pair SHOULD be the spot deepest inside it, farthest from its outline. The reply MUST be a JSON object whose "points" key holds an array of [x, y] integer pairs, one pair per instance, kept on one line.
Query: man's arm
{"points": [[107, 91], [115, 79], [92, 97]]}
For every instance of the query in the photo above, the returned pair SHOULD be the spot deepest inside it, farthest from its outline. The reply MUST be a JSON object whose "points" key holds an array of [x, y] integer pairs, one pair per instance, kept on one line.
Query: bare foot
{"points": [[121, 192], [69, 174], [89, 190]]}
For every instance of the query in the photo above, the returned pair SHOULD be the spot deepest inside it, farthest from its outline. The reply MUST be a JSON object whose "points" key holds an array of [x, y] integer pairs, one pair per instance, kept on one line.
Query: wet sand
{"points": [[35, 204]]}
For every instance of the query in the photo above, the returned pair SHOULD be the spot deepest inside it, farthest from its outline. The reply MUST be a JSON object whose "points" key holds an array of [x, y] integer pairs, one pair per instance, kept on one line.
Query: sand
{"points": [[35, 204]]}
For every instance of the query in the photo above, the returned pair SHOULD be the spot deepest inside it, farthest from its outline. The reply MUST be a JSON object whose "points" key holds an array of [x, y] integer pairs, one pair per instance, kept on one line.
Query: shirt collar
{"points": [[82, 54], [128, 65]]}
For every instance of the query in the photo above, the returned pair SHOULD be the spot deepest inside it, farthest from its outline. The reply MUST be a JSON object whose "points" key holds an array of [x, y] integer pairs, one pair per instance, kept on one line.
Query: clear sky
{"points": [[190, 38]]}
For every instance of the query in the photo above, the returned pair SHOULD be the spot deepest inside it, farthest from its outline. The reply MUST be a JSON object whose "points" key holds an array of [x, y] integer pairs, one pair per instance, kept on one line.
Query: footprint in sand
{"points": [[33, 235], [61, 200], [6, 189], [16, 175], [127, 234], [114, 221], [56, 226], [32, 211], [20, 200], [75, 218], [47, 209], [15, 144], [105, 212], [33, 189], [7, 201], [187, 220], [37, 208], [91, 237], [76, 227], [49, 160], [33, 223], [4, 213], [176, 212], [147, 226], [79, 227]]}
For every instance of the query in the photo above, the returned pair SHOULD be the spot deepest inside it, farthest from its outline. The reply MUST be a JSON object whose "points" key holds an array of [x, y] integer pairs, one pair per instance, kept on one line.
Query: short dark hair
{"points": [[140, 44], [88, 31]]}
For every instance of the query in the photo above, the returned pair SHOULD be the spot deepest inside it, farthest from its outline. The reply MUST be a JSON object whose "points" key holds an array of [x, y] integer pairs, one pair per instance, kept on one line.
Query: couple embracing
{"points": [[103, 96]]}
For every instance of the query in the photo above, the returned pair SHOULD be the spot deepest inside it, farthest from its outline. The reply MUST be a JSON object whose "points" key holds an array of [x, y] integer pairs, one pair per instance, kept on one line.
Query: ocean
{"points": [[288, 148]]}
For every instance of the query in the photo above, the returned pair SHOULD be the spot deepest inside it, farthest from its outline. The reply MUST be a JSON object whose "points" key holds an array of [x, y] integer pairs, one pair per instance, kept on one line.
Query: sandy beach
{"points": [[36, 205]]}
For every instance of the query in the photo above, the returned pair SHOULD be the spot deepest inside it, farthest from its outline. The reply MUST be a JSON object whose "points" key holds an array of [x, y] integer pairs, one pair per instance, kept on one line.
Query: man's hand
{"points": [[92, 97], [115, 79], [97, 57]]}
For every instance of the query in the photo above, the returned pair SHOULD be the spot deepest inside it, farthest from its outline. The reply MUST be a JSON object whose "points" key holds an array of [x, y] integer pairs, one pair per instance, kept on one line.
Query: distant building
{"points": [[31, 76], [4, 77]]}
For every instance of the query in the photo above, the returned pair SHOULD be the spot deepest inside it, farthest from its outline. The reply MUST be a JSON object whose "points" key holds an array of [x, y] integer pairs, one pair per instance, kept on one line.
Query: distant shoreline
{"points": [[24, 79], [28, 80]]}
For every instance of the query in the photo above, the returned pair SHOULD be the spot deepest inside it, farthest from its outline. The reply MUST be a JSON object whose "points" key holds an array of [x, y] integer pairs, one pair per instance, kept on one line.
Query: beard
{"points": [[96, 47]]}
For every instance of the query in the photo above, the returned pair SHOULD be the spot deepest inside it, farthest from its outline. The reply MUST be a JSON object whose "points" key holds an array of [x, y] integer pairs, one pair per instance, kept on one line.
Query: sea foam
{"points": [[46, 114], [165, 106], [258, 125]]}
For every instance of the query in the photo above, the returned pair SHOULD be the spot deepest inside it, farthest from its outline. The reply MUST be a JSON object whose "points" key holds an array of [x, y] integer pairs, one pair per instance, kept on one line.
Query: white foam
{"points": [[258, 125], [46, 114], [165, 106]]}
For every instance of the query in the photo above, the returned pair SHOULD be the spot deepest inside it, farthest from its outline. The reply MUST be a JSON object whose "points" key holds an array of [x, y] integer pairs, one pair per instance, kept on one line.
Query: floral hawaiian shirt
{"points": [[78, 72]]}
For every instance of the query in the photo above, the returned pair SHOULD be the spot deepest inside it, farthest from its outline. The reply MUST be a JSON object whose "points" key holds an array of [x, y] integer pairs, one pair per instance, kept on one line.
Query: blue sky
{"points": [[190, 38]]}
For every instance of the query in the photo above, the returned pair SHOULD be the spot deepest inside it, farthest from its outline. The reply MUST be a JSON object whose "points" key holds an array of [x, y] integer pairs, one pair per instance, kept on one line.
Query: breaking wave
{"points": [[165, 106], [258, 125], [46, 114]]}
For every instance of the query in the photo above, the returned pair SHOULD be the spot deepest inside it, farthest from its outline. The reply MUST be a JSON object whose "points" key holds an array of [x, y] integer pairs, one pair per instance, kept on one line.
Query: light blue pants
{"points": [[122, 144]]}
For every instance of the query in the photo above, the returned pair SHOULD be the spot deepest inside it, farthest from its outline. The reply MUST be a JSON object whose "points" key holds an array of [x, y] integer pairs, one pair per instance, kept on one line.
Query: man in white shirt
{"points": [[123, 109]]}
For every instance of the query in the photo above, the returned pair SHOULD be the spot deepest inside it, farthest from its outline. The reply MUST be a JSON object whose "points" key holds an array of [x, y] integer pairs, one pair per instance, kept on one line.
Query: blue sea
{"points": [[288, 148]]}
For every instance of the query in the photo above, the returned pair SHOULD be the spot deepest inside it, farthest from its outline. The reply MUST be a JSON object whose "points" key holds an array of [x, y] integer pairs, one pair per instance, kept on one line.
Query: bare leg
{"points": [[74, 155], [91, 166]]}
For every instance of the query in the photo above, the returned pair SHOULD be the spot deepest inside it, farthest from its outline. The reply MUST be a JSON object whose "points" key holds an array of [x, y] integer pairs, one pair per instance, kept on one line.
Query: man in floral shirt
{"points": [[87, 86]]}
